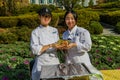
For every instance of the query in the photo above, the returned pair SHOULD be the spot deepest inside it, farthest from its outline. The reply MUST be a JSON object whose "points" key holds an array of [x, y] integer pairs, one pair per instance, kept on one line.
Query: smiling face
{"points": [[45, 20], [70, 21]]}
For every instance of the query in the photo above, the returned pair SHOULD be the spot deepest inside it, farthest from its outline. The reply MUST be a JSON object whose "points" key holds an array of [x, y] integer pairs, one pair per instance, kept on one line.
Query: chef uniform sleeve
{"points": [[84, 44], [35, 46]]}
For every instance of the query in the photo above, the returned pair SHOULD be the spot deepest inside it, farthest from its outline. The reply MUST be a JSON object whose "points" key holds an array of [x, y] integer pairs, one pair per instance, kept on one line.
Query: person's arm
{"points": [[85, 44], [36, 47], [45, 47]]}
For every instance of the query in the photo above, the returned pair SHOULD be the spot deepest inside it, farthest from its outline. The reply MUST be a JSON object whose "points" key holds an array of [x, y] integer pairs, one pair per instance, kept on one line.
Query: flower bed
{"points": [[105, 52], [15, 58]]}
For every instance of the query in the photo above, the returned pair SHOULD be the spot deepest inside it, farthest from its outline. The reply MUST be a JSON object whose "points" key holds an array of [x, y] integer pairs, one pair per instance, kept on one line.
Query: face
{"points": [[70, 21], [45, 20]]}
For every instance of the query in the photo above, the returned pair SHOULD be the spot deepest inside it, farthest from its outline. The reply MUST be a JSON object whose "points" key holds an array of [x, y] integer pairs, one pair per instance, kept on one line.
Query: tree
{"points": [[3, 8], [83, 2], [11, 6], [69, 4], [91, 3]]}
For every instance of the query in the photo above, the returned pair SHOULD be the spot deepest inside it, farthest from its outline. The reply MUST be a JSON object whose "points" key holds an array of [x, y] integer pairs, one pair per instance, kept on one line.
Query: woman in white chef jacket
{"points": [[42, 39], [80, 42]]}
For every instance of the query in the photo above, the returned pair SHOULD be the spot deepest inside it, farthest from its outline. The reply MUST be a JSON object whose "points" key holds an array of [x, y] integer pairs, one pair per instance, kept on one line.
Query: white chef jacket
{"points": [[39, 37], [79, 54]]}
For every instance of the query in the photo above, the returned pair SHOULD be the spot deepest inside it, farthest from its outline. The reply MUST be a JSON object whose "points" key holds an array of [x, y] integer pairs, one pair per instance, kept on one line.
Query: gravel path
{"points": [[108, 30]]}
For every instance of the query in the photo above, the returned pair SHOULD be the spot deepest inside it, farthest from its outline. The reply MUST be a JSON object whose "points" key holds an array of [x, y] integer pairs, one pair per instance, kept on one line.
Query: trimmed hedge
{"points": [[55, 20], [117, 28], [84, 17], [26, 20], [15, 34], [29, 20], [21, 26], [110, 17], [7, 37], [109, 5], [95, 27], [6, 22], [22, 34]]}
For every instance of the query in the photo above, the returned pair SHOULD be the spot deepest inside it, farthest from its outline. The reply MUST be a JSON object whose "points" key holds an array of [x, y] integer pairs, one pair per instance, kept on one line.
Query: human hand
{"points": [[71, 45], [57, 46], [62, 44]]}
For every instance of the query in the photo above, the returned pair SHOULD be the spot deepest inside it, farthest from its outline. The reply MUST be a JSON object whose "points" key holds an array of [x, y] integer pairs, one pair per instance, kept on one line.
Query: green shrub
{"points": [[31, 21], [55, 19], [34, 7], [7, 37], [57, 10], [61, 19], [22, 33], [22, 10], [110, 17], [117, 28], [95, 27], [52, 7], [28, 20], [84, 17], [110, 5], [6, 22]]}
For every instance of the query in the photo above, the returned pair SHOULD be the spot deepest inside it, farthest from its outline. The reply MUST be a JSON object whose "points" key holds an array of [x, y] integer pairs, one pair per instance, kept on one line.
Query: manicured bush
{"points": [[61, 19], [84, 17], [110, 17], [28, 20], [57, 10], [55, 19], [6, 22], [95, 27], [117, 27], [23, 33], [109, 5], [7, 37], [36, 7], [15, 34]]}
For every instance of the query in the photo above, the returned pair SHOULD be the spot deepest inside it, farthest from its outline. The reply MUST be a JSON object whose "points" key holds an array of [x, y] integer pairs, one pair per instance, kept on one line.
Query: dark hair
{"points": [[73, 13]]}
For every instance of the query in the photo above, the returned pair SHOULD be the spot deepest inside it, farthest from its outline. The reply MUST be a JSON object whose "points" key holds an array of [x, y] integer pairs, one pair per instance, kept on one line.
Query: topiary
{"points": [[95, 27], [23, 33], [117, 27], [7, 37]]}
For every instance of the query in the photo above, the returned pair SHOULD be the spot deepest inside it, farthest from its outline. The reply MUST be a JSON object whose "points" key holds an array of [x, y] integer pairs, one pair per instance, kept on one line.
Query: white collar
{"points": [[73, 30], [41, 26]]}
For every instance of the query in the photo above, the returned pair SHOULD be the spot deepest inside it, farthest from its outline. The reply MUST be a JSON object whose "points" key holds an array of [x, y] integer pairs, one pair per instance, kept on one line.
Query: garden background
{"points": [[16, 24]]}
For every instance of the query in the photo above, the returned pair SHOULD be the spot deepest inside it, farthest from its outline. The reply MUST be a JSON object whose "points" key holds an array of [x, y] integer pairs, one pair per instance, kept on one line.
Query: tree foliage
{"points": [[69, 4], [91, 3], [10, 7]]}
